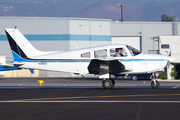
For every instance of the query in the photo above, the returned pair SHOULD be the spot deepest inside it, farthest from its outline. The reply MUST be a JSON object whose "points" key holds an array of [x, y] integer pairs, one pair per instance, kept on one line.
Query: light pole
{"points": [[121, 7]]}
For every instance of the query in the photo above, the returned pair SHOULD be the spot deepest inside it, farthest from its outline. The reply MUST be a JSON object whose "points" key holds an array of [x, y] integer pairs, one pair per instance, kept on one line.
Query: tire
{"points": [[113, 82], [134, 77], [155, 86], [107, 84]]}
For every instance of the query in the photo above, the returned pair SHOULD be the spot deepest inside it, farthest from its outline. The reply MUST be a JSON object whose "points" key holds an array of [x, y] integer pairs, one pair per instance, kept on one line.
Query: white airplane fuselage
{"points": [[71, 61]]}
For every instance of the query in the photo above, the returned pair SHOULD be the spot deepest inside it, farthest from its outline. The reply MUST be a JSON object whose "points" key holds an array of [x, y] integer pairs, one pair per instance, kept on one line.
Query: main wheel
{"points": [[108, 84], [155, 86], [113, 82]]}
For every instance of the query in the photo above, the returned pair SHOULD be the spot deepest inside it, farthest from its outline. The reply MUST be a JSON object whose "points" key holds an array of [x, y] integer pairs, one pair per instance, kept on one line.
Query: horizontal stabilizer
{"points": [[7, 68]]}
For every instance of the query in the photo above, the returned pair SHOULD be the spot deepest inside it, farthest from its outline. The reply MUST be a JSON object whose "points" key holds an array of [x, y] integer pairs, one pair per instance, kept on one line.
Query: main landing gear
{"points": [[108, 83], [154, 84]]}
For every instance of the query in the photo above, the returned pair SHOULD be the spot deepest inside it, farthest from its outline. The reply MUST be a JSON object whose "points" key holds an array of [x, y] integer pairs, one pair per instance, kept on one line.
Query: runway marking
{"points": [[87, 97], [175, 87], [89, 101]]}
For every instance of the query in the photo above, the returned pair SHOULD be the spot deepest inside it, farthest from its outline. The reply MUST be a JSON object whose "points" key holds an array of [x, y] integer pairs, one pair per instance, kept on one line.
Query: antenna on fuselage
{"points": [[74, 44]]}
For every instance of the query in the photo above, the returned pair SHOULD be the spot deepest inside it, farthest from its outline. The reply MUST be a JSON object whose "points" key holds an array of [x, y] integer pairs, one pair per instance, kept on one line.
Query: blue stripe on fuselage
{"points": [[17, 58], [79, 60], [140, 60]]}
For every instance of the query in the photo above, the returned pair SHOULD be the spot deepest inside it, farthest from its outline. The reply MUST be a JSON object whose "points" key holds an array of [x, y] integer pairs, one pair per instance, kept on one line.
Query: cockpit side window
{"points": [[118, 52], [133, 51], [86, 55], [100, 53]]}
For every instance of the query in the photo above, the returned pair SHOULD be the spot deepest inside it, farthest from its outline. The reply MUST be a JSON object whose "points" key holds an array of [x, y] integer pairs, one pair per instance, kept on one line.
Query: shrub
{"points": [[174, 73], [163, 75]]}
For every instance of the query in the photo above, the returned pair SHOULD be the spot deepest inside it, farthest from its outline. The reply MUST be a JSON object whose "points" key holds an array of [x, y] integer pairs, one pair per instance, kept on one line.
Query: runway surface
{"points": [[85, 99]]}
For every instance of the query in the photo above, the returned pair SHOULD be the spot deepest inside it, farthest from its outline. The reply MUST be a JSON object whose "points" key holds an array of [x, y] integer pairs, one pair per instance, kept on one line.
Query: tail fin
{"points": [[20, 45]]}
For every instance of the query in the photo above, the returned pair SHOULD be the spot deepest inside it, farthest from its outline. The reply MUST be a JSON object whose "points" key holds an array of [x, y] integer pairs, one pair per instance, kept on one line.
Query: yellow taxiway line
{"points": [[175, 87], [88, 97]]}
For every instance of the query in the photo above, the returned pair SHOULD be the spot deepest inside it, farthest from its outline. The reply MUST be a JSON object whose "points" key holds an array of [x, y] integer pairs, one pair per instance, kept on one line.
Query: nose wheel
{"points": [[108, 83], [154, 84]]}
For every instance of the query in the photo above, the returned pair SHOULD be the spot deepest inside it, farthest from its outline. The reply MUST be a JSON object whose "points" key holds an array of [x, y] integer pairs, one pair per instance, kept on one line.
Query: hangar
{"points": [[60, 34]]}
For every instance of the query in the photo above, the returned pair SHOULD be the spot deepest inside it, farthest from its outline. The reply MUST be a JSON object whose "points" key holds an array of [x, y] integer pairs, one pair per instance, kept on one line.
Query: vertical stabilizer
{"points": [[20, 45]]}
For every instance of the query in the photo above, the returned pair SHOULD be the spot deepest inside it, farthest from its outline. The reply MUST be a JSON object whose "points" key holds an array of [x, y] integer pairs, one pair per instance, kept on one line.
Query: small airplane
{"points": [[105, 60]]}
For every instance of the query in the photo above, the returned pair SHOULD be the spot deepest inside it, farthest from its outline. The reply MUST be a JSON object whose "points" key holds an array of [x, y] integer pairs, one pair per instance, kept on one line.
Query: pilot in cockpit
{"points": [[119, 52]]}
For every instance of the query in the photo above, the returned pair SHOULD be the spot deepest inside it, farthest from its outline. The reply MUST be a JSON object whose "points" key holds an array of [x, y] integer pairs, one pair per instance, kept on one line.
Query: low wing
{"points": [[114, 66]]}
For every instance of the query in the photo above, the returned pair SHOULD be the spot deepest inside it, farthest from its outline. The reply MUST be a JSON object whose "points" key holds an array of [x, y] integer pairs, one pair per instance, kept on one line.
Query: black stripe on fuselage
{"points": [[14, 46]]}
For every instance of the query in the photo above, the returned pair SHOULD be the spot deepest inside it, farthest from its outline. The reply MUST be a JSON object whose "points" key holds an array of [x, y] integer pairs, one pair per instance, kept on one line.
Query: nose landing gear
{"points": [[154, 84]]}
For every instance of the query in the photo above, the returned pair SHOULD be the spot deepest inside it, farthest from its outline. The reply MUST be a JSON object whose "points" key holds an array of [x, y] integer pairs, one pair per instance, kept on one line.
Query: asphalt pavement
{"points": [[85, 98]]}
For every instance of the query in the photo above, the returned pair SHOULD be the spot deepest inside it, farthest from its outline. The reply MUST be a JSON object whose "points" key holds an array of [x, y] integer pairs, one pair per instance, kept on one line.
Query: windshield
{"points": [[133, 51]]}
